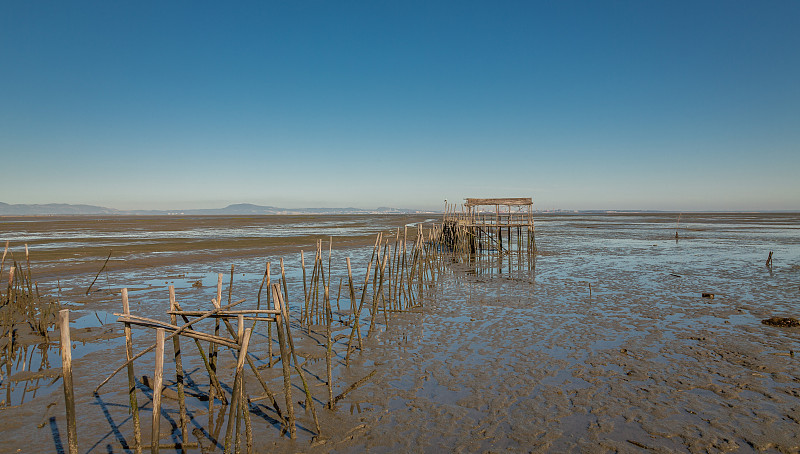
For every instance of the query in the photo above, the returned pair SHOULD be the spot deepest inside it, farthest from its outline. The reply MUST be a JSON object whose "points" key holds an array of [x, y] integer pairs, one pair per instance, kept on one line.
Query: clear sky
{"points": [[671, 105]]}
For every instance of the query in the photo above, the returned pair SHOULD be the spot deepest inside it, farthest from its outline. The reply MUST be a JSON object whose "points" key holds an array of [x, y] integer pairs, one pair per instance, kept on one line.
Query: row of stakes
{"points": [[398, 276]]}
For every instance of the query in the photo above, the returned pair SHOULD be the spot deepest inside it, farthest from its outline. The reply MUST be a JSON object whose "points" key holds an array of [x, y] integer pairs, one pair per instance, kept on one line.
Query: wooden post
{"points": [[277, 299], [305, 286], [285, 288], [236, 398], [158, 382], [328, 349], [180, 329], [353, 304], [269, 325], [213, 351], [137, 431], [176, 347], [69, 395]]}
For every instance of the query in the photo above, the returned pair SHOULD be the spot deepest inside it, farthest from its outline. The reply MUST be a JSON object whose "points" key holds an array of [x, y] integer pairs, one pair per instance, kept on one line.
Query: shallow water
{"points": [[598, 342]]}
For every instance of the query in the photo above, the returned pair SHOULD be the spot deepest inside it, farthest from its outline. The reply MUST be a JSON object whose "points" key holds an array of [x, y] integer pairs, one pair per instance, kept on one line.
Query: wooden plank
{"points": [[231, 314], [142, 321]]}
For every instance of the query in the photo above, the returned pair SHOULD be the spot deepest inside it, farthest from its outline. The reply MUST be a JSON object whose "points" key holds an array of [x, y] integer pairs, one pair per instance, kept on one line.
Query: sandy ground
{"points": [[527, 360]]}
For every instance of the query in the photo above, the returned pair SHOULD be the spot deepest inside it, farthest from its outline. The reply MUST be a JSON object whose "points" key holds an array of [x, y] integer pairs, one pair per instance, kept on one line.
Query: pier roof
{"points": [[505, 201]]}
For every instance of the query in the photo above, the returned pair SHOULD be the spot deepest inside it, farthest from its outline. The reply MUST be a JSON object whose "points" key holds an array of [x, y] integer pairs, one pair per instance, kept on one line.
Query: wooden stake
{"points": [[137, 432], [69, 395], [328, 351], [213, 351], [351, 388], [176, 348], [236, 397], [353, 304], [98, 273], [158, 382], [305, 286], [214, 382], [248, 425], [255, 369], [180, 329], [287, 381], [283, 278]]}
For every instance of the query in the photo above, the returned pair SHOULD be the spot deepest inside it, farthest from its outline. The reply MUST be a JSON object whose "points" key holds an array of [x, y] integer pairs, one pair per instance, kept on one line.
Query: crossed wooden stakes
{"points": [[238, 342]]}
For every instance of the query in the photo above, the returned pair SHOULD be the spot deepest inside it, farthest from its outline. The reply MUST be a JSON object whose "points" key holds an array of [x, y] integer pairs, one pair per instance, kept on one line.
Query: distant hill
{"points": [[53, 209], [56, 209]]}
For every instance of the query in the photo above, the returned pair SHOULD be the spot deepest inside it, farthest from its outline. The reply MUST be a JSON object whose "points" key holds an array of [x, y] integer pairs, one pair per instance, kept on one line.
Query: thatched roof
{"points": [[513, 201]]}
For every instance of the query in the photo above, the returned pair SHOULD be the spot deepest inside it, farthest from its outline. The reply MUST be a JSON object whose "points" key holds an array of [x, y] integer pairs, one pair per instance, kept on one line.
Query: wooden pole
{"points": [[69, 395], [248, 425], [137, 432], [283, 279], [236, 398], [213, 351], [180, 329], [305, 286], [269, 325], [353, 304], [158, 383], [252, 365], [287, 381], [328, 350], [212, 376], [176, 347], [356, 321], [98, 273]]}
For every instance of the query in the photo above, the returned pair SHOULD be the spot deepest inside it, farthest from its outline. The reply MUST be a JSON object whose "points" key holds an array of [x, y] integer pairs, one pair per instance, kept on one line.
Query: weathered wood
{"points": [[351, 388], [305, 285], [236, 398], [254, 368], [277, 299], [329, 350], [148, 322], [356, 319], [98, 273], [137, 432], [214, 386], [176, 348], [69, 393], [158, 378], [213, 351], [511, 201], [181, 329], [228, 314]]}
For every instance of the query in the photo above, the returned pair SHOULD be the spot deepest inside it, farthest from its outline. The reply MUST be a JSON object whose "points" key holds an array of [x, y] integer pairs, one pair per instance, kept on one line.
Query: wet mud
{"points": [[602, 343]]}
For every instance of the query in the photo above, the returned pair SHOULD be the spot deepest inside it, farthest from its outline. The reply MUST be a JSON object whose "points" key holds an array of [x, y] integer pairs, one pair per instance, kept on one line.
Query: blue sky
{"points": [[581, 105]]}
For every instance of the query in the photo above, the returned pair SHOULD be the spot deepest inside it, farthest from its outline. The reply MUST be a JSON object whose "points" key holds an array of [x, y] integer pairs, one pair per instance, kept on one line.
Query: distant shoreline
{"points": [[53, 210]]}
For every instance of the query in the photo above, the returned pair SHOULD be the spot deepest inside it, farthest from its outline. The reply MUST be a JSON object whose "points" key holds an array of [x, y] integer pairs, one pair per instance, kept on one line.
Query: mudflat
{"points": [[600, 342]]}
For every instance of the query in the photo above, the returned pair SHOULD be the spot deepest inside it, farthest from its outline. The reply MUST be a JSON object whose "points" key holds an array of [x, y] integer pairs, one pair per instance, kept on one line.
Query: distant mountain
{"points": [[53, 209], [61, 209]]}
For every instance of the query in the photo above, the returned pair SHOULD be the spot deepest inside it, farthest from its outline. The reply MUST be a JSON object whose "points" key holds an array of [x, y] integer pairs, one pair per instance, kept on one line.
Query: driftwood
{"points": [[98, 273], [351, 388]]}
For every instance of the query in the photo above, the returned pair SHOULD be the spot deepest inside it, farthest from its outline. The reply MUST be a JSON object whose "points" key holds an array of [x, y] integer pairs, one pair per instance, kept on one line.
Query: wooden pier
{"points": [[501, 224]]}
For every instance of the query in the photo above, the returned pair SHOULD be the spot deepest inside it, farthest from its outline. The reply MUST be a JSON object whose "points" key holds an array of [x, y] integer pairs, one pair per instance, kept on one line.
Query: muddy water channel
{"points": [[601, 342]]}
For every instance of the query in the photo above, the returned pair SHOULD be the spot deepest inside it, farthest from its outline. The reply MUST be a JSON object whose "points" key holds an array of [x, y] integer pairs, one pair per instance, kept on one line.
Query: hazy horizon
{"points": [[400, 210], [671, 106]]}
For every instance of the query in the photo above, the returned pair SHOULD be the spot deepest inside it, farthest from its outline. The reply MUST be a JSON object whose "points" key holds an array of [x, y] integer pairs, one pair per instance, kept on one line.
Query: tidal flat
{"points": [[601, 341]]}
